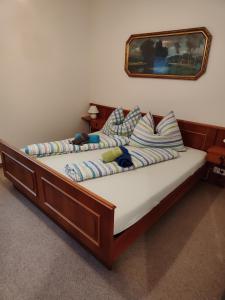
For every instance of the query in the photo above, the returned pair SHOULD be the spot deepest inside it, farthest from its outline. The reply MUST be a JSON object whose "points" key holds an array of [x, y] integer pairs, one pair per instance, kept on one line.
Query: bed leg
{"points": [[108, 266], [108, 263]]}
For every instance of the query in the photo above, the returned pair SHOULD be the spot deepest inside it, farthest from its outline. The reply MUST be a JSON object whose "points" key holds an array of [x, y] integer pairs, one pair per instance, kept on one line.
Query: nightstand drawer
{"points": [[216, 162], [216, 155], [215, 158], [96, 124]]}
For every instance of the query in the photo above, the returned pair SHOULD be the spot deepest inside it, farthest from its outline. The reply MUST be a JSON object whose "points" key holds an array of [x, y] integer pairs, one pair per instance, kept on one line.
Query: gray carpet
{"points": [[182, 257]]}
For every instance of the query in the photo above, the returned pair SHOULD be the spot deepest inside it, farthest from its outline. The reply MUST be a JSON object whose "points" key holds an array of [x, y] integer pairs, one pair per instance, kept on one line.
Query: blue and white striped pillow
{"points": [[143, 131], [116, 118], [126, 127], [129, 123], [167, 133]]}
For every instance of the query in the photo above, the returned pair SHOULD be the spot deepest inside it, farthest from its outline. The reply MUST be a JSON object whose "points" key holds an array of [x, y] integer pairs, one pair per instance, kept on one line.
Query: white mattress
{"points": [[136, 192]]}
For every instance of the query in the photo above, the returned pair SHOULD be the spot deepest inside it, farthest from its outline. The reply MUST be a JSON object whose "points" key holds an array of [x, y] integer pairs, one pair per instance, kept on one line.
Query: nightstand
{"points": [[216, 161], [94, 124]]}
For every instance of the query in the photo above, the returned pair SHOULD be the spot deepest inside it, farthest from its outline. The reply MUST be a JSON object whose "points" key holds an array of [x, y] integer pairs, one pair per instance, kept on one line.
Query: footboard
{"points": [[86, 216]]}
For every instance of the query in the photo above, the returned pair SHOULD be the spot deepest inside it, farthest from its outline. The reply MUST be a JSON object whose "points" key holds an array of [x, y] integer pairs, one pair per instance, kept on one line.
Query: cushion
{"points": [[126, 127], [167, 133], [115, 118], [143, 131]]}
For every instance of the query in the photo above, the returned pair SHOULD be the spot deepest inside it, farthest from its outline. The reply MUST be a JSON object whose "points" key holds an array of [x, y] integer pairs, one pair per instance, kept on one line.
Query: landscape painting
{"points": [[178, 54]]}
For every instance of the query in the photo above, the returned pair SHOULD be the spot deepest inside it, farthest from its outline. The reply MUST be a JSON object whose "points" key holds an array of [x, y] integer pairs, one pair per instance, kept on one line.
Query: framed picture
{"points": [[176, 54]]}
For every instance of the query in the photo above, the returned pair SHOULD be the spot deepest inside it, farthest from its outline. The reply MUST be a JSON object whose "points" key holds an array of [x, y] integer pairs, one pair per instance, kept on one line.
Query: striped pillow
{"points": [[127, 126], [115, 118], [143, 131], [167, 133], [129, 123]]}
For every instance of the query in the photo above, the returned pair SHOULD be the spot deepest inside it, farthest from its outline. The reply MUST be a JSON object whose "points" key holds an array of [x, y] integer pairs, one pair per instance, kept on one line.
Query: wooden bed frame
{"points": [[85, 215]]}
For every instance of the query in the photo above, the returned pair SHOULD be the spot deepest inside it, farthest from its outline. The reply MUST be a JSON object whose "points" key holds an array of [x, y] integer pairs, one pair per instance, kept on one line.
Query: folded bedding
{"points": [[80, 138], [94, 138], [125, 159], [141, 157], [65, 146], [111, 155]]}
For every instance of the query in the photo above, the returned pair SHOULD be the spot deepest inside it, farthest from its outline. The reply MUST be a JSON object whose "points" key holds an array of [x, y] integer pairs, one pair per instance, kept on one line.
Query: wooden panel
{"points": [[20, 174], [198, 138], [77, 215], [84, 215], [195, 135], [194, 139], [220, 137]]}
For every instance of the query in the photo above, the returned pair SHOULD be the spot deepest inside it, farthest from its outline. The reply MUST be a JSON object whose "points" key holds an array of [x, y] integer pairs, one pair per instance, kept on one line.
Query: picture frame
{"points": [[175, 54]]}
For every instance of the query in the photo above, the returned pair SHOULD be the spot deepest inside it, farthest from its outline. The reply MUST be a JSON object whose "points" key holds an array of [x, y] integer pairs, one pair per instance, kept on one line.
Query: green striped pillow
{"points": [[167, 133], [143, 131], [126, 127]]}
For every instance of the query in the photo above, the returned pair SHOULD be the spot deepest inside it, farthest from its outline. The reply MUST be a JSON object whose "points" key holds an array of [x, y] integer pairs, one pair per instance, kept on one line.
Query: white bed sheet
{"points": [[136, 192]]}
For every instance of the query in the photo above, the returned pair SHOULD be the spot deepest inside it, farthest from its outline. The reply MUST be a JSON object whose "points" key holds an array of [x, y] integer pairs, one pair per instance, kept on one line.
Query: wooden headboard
{"points": [[195, 135]]}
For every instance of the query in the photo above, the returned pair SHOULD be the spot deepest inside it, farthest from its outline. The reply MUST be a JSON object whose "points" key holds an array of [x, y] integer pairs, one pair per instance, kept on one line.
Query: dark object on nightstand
{"points": [[94, 124], [216, 158]]}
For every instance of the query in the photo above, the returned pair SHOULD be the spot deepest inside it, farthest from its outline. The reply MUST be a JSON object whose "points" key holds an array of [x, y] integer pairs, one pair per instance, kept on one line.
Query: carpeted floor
{"points": [[181, 258]]}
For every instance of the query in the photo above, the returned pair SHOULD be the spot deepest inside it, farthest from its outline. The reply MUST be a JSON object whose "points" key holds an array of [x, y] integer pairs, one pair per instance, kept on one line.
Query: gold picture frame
{"points": [[175, 54]]}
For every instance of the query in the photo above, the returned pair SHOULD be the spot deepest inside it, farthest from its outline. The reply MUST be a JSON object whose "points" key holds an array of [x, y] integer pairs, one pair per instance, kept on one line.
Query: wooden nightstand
{"points": [[216, 158], [94, 124]]}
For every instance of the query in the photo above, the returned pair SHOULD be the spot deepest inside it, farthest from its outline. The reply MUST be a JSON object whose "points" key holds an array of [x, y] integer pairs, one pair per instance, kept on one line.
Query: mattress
{"points": [[136, 192]]}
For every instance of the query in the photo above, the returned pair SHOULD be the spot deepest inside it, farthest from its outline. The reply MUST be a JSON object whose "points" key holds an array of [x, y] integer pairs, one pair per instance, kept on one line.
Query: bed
{"points": [[136, 192], [95, 212]]}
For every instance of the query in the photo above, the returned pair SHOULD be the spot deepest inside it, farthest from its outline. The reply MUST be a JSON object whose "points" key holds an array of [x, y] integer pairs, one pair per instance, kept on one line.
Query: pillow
{"points": [[143, 132], [129, 123], [167, 133], [126, 127], [115, 118]]}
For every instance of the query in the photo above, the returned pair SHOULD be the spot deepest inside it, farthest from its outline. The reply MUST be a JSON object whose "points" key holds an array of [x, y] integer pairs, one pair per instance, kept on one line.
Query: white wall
{"points": [[111, 25], [47, 80], [43, 69]]}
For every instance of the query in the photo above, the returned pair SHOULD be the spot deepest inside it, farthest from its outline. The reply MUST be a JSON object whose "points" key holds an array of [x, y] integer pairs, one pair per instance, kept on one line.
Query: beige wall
{"points": [[43, 55], [57, 55], [114, 21]]}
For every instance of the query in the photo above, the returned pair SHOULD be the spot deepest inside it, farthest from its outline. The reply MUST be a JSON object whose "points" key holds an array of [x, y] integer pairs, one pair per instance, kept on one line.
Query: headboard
{"points": [[195, 135]]}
